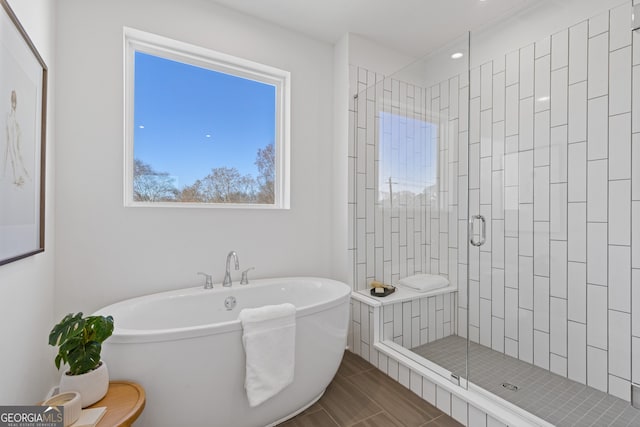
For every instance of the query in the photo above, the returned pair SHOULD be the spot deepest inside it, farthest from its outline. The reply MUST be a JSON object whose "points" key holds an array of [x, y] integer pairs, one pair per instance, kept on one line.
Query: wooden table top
{"points": [[125, 401]]}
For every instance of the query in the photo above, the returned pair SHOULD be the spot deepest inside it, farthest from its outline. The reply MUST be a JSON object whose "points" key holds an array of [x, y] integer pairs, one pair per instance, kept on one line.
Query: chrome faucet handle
{"points": [[208, 281], [245, 279]]}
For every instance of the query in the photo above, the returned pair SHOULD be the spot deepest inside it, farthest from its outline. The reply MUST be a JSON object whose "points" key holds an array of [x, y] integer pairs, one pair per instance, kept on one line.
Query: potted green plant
{"points": [[79, 340]]}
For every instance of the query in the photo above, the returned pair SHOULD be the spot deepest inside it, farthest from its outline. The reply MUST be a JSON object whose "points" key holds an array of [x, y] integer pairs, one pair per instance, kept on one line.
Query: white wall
{"points": [[540, 20], [108, 253], [374, 56], [341, 267], [536, 22], [532, 24], [27, 286]]}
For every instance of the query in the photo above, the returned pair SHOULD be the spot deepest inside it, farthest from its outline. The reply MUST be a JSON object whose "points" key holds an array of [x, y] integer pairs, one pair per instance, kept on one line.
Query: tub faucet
{"points": [[208, 282], [227, 274]]}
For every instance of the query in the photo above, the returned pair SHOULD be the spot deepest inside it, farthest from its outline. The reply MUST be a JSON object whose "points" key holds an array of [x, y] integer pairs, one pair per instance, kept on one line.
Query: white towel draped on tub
{"points": [[269, 338]]}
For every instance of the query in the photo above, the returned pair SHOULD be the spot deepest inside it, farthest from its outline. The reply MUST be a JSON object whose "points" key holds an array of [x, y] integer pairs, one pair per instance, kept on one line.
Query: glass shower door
{"points": [[410, 212], [549, 276]]}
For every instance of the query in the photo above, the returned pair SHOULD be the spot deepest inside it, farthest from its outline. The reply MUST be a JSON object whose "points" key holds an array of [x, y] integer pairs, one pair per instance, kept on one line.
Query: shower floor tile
{"points": [[553, 398]]}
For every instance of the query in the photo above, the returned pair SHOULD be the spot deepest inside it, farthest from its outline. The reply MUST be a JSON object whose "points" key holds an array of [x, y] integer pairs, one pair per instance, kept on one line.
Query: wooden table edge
{"points": [[135, 411]]}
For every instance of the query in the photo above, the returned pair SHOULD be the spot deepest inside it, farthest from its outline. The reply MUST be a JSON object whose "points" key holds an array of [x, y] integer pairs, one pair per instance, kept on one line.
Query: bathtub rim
{"points": [[138, 336]]}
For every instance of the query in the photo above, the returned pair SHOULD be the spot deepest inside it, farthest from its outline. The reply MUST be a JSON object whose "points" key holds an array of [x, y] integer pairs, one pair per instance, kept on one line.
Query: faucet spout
{"points": [[227, 274]]}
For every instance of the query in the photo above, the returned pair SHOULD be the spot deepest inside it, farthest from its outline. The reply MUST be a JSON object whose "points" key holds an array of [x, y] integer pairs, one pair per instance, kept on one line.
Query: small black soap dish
{"points": [[387, 291]]}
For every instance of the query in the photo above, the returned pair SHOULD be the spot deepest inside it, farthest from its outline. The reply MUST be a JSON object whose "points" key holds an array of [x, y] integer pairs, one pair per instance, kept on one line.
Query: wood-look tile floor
{"points": [[362, 396]]}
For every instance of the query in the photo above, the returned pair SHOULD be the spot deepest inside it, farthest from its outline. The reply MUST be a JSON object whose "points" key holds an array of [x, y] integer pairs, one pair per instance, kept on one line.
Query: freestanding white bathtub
{"points": [[185, 348]]}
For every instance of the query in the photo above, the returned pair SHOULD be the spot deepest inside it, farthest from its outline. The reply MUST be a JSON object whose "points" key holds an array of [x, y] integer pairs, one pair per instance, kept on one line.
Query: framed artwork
{"points": [[23, 104]]}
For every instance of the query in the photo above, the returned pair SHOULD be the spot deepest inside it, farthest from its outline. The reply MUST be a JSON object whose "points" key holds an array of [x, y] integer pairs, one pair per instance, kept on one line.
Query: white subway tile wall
{"points": [[548, 152], [417, 322]]}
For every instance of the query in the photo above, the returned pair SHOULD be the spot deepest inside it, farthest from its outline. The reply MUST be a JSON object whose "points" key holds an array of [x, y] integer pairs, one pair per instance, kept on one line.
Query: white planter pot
{"points": [[92, 386]]}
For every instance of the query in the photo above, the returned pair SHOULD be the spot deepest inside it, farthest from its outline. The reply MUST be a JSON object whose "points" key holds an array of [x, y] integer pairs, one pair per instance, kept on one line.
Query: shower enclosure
{"points": [[513, 174]]}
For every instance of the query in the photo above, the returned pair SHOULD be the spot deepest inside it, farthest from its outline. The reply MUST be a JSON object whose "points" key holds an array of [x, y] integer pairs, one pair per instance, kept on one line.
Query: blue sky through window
{"points": [[397, 154], [188, 119]]}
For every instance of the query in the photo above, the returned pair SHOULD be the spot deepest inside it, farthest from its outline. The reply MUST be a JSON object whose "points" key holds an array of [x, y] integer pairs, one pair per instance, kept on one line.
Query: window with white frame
{"points": [[203, 128]]}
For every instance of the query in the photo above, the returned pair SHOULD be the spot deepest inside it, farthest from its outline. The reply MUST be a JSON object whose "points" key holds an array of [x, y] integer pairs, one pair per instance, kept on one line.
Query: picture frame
{"points": [[23, 113]]}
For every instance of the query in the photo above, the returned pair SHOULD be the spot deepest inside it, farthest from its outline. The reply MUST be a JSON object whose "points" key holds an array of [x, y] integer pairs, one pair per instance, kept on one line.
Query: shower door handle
{"points": [[483, 230]]}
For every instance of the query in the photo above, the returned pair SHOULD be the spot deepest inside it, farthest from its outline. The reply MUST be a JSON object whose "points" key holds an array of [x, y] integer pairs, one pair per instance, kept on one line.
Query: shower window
{"points": [[408, 156], [203, 128]]}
